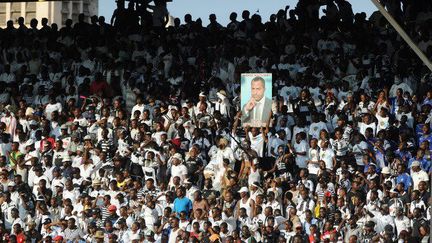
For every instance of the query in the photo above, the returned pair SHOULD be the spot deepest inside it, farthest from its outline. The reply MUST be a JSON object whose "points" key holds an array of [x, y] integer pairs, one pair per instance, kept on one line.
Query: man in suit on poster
{"points": [[257, 110]]}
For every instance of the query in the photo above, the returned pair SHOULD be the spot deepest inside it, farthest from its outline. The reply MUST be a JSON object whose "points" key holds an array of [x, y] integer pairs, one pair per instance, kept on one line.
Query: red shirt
{"points": [[20, 237], [98, 87], [50, 139], [327, 234]]}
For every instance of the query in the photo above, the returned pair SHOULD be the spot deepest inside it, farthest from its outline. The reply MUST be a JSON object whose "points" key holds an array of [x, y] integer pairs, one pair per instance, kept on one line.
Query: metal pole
{"points": [[403, 34]]}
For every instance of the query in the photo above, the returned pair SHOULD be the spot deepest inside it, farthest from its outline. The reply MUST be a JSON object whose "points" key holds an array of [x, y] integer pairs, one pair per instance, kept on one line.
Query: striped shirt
{"points": [[144, 192], [340, 146], [105, 213], [106, 145], [73, 234]]}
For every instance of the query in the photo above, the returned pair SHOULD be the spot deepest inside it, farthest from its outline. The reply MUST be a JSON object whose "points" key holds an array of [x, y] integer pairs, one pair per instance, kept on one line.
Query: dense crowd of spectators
{"points": [[130, 131]]}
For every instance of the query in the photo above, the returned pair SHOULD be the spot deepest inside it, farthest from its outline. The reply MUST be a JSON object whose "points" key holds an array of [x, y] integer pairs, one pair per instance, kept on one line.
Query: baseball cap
{"points": [[243, 189], [112, 208]]}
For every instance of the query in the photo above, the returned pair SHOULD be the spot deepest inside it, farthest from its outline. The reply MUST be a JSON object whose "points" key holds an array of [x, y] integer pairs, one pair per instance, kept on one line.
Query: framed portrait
{"points": [[256, 98]]}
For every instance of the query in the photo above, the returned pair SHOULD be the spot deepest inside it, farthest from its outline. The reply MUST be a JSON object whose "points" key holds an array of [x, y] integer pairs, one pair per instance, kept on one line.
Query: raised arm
{"points": [[247, 128], [236, 122], [265, 131]]}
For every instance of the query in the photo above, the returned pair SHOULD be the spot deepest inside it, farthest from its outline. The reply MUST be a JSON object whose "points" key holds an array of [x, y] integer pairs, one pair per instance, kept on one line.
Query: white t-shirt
{"points": [[313, 155], [327, 156], [359, 150], [315, 129], [419, 176], [402, 224], [300, 148], [276, 142], [383, 123], [139, 108], [178, 170], [363, 126], [50, 108], [173, 236], [297, 130], [72, 195], [257, 144]]}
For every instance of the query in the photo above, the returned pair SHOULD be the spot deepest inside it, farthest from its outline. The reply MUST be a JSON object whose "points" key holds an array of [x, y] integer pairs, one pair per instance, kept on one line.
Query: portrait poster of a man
{"points": [[256, 98]]}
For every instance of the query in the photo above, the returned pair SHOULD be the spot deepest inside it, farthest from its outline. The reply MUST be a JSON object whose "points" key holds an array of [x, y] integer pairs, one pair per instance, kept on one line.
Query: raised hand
{"points": [[250, 105]]}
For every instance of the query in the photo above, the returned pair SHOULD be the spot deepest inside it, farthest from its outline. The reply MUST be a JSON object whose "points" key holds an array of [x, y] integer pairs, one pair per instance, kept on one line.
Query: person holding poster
{"points": [[256, 99]]}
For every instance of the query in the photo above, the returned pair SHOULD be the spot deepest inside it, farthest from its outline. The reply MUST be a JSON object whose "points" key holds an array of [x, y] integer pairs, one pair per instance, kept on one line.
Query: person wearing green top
{"points": [[13, 155]]}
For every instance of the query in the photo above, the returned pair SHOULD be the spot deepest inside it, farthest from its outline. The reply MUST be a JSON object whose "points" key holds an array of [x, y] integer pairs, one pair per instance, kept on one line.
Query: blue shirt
{"points": [[405, 155], [427, 137], [424, 163], [182, 205], [406, 179]]}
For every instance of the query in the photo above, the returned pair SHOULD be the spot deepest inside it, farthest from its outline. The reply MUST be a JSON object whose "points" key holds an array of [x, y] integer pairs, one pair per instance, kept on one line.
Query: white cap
{"points": [[243, 189], [202, 94], [385, 170], [415, 163], [177, 156]]}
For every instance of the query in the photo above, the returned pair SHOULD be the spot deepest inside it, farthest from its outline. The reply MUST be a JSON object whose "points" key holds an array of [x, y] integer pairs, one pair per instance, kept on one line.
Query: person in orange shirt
{"points": [[58, 239], [314, 235], [19, 233]]}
